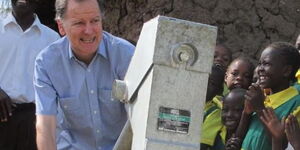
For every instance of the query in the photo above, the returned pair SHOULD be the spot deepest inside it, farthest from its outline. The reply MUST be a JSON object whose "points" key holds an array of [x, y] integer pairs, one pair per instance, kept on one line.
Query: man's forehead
{"points": [[79, 10]]}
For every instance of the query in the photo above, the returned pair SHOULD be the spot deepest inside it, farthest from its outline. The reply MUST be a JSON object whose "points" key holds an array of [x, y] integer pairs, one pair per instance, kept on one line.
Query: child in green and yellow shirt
{"points": [[238, 75], [277, 67]]}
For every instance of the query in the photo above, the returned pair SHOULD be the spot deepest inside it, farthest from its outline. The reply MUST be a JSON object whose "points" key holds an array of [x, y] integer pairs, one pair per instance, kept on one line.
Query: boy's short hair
{"points": [[239, 91]]}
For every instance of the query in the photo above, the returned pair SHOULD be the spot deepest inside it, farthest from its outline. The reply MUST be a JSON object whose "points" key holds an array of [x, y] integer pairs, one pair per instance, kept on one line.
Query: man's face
{"points": [[23, 7], [83, 27]]}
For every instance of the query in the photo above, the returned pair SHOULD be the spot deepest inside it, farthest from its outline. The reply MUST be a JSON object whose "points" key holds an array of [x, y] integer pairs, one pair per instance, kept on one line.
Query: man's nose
{"points": [[88, 28]]}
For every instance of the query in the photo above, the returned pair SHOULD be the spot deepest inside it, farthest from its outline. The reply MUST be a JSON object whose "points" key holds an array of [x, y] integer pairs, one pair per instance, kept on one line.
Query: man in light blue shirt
{"points": [[73, 79]]}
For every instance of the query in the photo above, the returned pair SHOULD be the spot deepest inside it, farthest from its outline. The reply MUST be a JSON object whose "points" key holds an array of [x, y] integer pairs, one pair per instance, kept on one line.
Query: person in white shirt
{"points": [[22, 37], [5, 8]]}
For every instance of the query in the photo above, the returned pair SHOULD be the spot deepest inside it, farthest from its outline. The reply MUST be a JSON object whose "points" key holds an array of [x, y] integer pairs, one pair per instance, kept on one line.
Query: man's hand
{"points": [[255, 97], [5, 106]]}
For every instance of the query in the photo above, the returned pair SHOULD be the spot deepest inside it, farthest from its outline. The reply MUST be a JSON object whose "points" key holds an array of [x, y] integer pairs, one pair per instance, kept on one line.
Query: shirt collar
{"points": [[217, 101], [223, 133], [11, 19], [101, 50], [298, 75], [279, 98]]}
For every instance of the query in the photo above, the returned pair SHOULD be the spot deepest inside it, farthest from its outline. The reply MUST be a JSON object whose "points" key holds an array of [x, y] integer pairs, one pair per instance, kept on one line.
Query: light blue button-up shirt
{"points": [[80, 95]]}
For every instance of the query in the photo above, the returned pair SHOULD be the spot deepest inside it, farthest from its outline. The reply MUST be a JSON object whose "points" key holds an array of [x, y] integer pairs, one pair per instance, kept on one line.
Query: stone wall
{"points": [[245, 26]]}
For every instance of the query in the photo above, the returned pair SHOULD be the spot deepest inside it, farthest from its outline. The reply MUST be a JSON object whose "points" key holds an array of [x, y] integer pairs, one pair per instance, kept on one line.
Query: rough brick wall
{"points": [[245, 26]]}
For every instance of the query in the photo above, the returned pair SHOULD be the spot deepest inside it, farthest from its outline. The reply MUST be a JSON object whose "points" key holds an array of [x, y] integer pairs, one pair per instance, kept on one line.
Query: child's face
{"points": [[238, 75], [271, 70], [232, 111], [222, 56]]}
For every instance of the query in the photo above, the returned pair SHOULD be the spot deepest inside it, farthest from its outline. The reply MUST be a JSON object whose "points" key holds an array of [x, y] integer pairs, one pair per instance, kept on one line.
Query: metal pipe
{"points": [[125, 139]]}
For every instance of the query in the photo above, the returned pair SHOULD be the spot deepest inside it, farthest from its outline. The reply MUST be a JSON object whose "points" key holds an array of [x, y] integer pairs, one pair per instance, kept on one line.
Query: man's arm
{"points": [[46, 130], [46, 108]]}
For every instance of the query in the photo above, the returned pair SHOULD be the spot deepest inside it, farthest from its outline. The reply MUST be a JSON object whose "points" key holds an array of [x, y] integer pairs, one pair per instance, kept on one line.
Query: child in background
{"points": [[222, 55], [235, 142], [212, 111], [239, 73], [233, 104], [276, 70]]}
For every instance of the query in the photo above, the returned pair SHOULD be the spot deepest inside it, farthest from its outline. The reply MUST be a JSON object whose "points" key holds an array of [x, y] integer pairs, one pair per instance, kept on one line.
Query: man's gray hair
{"points": [[61, 7]]}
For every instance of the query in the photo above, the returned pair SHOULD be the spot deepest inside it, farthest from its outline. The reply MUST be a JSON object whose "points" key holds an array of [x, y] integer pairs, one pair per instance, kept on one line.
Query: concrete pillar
{"points": [[165, 85]]}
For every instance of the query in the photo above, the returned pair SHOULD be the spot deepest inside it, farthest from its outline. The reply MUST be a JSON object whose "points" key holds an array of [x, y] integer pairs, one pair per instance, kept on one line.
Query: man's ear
{"points": [[60, 27]]}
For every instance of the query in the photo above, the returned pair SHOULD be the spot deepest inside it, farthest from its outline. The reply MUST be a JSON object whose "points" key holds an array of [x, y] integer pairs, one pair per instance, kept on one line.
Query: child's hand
{"points": [[292, 131], [275, 127], [256, 97], [233, 143]]}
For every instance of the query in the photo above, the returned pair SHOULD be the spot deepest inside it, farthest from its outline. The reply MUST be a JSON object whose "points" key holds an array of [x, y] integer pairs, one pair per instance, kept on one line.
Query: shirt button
{"points": [[97, 131], [65, 106], [89, 70], [92, 91], [95, 112]]}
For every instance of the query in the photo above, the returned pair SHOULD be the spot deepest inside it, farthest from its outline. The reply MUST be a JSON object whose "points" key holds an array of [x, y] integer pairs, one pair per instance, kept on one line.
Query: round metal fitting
{"points": [[184, 53]]}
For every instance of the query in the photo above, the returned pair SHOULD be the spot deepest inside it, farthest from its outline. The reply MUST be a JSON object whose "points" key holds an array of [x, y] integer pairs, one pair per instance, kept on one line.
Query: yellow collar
{"points": [[298, 75], [279, 98], [223, 133], [217, 101]]}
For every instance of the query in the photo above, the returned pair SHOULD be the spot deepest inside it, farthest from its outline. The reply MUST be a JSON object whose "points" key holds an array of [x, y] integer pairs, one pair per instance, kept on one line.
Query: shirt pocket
{"points": [[73, 113], [111, 110]]}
